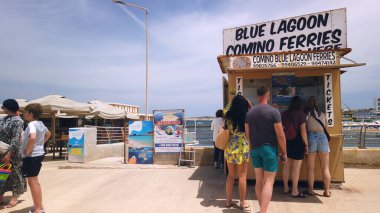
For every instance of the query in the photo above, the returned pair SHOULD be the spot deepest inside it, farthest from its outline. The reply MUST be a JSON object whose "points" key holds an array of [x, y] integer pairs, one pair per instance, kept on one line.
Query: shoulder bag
{"points": [[323, 126]]}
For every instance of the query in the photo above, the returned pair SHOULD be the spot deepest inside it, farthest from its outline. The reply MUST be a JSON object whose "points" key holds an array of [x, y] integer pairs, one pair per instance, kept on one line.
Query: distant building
{"points": [[377, 106]]}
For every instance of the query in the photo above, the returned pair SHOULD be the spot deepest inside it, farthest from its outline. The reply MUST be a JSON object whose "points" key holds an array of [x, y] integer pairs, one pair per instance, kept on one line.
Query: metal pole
{"points": [[146, 56], [146, 62]]}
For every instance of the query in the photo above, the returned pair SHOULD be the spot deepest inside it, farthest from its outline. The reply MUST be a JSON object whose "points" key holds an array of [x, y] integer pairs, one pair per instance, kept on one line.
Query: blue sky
{"points": [[95, 49]]}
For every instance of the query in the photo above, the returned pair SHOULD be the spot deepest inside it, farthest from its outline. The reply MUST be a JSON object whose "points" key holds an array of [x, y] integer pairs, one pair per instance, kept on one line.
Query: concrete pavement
{"points": [[200, 189]]}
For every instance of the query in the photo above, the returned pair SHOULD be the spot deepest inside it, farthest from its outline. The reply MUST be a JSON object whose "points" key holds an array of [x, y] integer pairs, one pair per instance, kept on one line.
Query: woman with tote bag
{"points": [[10, 133], [237, 150]]}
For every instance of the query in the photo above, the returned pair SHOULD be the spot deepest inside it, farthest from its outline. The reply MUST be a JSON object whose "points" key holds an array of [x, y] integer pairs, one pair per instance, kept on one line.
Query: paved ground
{"points": [[169, 189]]}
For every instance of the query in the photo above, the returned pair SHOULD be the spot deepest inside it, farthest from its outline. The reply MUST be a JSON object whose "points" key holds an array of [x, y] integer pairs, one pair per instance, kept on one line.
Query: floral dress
{"points": [[10, 133], [237, 150]]}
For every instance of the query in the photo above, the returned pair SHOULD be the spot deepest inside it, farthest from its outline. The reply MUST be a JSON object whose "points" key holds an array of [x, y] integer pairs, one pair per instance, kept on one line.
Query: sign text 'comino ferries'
{"points": [[318, 31]]}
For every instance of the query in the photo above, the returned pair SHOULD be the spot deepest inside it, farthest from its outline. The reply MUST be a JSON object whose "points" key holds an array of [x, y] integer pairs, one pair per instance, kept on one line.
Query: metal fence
{"points": [[355, 135], [202, 130], [109, 135], [361, 135]]}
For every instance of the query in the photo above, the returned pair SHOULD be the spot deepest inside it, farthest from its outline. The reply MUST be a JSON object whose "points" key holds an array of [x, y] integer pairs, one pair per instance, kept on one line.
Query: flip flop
{"points": [[229, 205], [327, 195], [285, 193], [244, 205], [300, 195], [11, 205], [309, 193]]}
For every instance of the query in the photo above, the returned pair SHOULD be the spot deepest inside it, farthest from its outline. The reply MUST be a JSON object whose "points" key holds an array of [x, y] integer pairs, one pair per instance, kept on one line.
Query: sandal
{"points": [[285, 193], [230, 204], [309, 193], [300, 195], [11, 205], [327, 194], [244, 205]]}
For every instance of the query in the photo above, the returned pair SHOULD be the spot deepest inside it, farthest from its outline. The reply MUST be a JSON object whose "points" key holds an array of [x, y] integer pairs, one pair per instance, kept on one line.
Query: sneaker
{"points": [[221, 165], [32, 211], [216, 165]]}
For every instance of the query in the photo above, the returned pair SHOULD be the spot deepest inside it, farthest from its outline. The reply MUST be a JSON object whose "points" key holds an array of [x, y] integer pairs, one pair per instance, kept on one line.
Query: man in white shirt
{"points": [[32, 149], [216, 124]]}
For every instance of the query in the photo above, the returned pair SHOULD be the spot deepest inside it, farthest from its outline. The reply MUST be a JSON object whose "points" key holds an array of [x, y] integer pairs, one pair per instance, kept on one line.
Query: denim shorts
{"points": [[318, 142]]}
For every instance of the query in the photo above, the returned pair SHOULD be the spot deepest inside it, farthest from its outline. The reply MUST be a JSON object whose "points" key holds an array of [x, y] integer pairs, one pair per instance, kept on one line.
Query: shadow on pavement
{"points": [[6, 201], [212, 188], [278, 196], [22, 210]]}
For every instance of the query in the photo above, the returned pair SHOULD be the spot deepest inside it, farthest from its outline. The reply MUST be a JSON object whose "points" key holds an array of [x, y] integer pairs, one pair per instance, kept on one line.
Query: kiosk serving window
{"points": [[250, 86], [311, 86], [304, 87]]}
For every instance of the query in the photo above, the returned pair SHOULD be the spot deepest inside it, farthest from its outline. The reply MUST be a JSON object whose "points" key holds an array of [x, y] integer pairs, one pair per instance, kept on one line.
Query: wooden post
{"points": [[53, 132], [125, 142]]}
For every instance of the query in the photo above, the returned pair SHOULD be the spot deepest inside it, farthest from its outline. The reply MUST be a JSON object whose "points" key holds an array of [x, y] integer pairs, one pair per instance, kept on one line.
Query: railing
{"points": [[110, 135], [202, 130], [355, 135], [361, 135]]}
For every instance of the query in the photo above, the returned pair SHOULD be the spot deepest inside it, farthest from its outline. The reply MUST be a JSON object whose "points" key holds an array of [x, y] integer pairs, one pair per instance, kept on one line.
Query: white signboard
{"points": [[239, 85], [296, 59], [317, 31], [329, 100]]}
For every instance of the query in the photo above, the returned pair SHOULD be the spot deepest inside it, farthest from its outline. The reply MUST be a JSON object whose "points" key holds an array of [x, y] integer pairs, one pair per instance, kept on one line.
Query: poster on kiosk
{"points": [[168, 130]]}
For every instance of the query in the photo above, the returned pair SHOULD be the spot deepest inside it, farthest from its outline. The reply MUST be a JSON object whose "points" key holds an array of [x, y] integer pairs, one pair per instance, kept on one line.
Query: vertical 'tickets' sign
{"points": [[239, 85], [329, 100]]}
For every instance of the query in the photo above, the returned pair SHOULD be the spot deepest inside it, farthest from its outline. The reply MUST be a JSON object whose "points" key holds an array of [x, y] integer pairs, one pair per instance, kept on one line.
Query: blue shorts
{"points": [[265, 156], [318, 142]]}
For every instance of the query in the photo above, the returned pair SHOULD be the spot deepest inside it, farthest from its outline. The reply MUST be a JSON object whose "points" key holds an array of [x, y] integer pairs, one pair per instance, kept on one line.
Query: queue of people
{"points": [[25, 154], [258, 132]]}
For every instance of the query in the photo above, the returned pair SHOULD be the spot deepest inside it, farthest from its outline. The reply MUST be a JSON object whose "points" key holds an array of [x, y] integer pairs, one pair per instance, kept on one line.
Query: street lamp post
{"points": [[146, 56]]}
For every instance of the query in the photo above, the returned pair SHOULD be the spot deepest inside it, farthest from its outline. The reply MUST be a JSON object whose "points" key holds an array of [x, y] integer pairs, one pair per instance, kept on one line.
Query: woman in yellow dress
{"points": [[237, 151]]}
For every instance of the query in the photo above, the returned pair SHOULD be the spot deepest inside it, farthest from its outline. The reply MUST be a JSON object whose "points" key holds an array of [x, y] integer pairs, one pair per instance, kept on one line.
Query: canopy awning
{"points": [[106, 111], [58, 103]]}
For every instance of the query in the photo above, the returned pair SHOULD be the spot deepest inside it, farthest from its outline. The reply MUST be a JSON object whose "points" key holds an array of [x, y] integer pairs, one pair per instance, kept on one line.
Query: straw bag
{"points": [[5, 171], [4, 148], [222, 138]]}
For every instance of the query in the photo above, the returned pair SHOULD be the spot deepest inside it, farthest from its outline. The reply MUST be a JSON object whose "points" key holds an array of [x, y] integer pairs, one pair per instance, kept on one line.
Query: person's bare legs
{"points": [[259, 174], [36, 191], [266, 194], [324, 162], [230, 182], [310, 159], [242, 171], [285, 175], [296, 167]]}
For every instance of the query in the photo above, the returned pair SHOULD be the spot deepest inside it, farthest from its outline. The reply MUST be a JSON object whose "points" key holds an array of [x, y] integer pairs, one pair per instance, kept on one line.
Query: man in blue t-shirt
{"points": [[265, 133]]}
